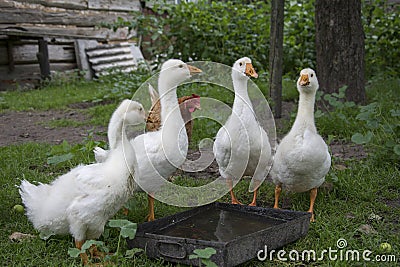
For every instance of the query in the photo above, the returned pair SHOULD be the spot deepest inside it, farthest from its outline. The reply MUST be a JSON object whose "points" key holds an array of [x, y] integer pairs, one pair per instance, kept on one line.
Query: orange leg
{"points": [[313, 196], [84, 257], [150, 216], [95, 253], [125, 211], [254, 202], [233, 197], [278, 190]]}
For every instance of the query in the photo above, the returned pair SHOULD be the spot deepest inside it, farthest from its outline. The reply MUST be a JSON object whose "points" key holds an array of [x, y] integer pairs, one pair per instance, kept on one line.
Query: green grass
{"points": [[289, 90], [51, 97], [100, 115], [363, 188], [64, 123]]}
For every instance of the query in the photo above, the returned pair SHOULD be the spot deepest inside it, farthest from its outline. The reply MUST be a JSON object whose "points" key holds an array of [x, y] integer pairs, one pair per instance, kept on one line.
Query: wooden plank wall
{"points": [[105, 58], [57, 17]]}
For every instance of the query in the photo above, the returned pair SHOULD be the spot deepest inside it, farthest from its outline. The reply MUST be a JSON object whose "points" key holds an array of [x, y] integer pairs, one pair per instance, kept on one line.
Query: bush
{"points": [[223, 31], [382, 35], [217, 31], [299, 37]]}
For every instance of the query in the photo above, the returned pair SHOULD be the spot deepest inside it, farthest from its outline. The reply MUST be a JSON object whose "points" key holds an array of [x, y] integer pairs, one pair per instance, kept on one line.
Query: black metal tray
{"points": [[236, 232]]}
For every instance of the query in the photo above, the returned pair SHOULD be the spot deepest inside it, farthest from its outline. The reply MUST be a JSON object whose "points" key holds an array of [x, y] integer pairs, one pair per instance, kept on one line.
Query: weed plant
{"points": [[358, 192], [223, 31]]}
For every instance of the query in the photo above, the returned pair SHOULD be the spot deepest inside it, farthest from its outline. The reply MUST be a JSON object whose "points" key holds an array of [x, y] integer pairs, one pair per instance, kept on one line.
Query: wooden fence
{"points": [[57, 24]]}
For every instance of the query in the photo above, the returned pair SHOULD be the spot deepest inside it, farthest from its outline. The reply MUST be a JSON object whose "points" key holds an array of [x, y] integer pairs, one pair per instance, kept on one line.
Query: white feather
{"points": [[241, 146], [159, 153], [302, 158], [81, 201]]}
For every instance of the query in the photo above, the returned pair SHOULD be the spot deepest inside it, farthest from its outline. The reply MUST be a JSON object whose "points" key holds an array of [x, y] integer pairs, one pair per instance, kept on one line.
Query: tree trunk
{"points": [[276, 55], [340, 47]]}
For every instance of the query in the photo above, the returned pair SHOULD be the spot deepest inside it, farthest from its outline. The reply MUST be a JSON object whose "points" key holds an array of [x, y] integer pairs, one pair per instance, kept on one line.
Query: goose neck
{"points": [[172, 126], [169, 105], [305, 112], [128, 152], [114, 132], [242, 98], [122, 150]]}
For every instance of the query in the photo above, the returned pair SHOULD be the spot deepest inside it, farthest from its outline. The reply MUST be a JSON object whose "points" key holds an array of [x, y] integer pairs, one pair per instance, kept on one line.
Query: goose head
{"points": [[243, 68], [132, 112], [175, 71], [307, 82]]}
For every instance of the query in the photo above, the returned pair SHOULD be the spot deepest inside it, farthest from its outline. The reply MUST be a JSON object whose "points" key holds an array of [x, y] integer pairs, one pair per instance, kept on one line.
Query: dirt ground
{"points": [[20, 127], [33, 126]]}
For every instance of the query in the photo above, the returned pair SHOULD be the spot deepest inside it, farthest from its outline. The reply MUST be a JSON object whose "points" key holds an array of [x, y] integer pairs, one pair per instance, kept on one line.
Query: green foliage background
{"points": [[223, 31]]}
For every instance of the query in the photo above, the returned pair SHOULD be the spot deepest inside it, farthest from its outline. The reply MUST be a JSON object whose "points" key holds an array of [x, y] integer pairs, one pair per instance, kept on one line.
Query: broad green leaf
{"points": [[89, 243], [130, 253], [342, 91], [396, 149], [74, 252], [390, 143], [128, 231], [360, 139], [62, 148], [205, 253], [372, 124], [106, 233], [208, 263], [45, 236], [328, 97], [192, 256], [331, 137], [155, 36], [319, 114], [363, 116], [341, 116], [59, 158], [349, 104], [395, 112], [119, 223], [370, 107]]}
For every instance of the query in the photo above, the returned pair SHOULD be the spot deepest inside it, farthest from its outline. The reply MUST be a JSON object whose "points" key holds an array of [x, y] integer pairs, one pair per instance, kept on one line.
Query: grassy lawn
{"points": [[360, 201]]}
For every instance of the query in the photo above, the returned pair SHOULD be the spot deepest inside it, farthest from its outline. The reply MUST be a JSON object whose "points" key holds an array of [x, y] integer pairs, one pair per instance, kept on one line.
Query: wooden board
{"points": [[71, 31], [69, 4], [30, 71], [107, 58], [60, 23], [6, 4], [122, 5], [26, 53], [81, 57], [28, 75], [54, 16]]}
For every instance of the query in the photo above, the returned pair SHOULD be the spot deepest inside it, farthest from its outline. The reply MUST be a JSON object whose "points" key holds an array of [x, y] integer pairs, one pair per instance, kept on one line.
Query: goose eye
{"points": [[312, 75], [180, 66], [240, 64]]}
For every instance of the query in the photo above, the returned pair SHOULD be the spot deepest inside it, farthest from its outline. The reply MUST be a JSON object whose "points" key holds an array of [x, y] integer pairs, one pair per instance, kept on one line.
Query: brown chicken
{"points": [[187, 105]]}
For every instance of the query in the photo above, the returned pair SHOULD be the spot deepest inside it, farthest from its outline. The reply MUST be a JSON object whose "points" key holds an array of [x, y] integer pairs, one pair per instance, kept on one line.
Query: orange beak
{"points": [[193, 69], [304, 80], [250, 71]]}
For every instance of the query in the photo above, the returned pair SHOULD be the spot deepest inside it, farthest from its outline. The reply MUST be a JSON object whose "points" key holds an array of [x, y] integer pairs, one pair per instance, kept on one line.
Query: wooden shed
{"points": [[41, 36]]}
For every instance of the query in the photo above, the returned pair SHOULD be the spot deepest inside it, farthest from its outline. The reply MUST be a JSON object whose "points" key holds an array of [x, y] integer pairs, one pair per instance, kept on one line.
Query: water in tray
{"points": [[219, 225]]}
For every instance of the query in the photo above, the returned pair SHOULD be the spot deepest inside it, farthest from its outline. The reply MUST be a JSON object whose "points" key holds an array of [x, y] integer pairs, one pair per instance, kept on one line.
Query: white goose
{"points": [[101, 154], [81, 201], [241, 147], [159, 153], [302, 158]]}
